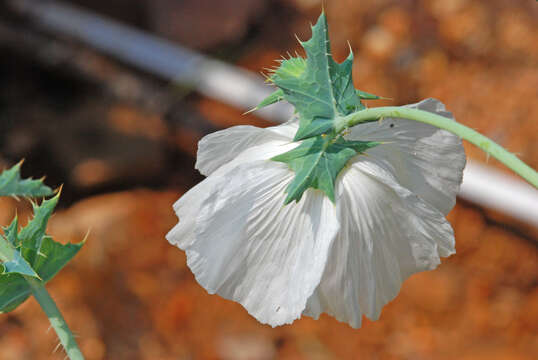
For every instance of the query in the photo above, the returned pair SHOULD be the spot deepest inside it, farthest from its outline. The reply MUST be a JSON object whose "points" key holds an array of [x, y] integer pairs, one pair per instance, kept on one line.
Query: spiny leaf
{"points": [[13, 291], [317, 162], [32, 235], [11, 232], [295, 68], [10, 256], [33, 247], [322, 91], [12, 261], [53, 257], [11, 184], [318, 87]]}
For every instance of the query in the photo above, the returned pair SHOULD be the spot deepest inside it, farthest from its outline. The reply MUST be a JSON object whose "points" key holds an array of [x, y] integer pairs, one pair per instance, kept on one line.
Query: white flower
{"points": [[346, 259]]}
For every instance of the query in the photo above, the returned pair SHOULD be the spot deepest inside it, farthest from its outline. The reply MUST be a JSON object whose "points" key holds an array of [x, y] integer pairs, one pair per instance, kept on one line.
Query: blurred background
{"points": [[123, 140]]}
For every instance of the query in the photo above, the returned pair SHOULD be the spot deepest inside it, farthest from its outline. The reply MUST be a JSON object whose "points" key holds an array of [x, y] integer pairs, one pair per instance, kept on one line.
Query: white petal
{"points": [[272, 141], [387, 233], [287, 129], [250, 248], [425, 159], [222, 147], [187, 209]]}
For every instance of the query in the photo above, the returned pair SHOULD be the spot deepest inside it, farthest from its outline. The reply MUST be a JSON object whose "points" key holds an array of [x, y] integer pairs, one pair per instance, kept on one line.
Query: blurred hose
{"points": [[482, 185], [495, 190], [170, 61]]}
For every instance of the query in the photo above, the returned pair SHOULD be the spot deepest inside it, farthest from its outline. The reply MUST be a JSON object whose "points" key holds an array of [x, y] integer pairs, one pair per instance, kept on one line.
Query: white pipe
{"points": [[493, 189], [170, 61], [482, 185]]}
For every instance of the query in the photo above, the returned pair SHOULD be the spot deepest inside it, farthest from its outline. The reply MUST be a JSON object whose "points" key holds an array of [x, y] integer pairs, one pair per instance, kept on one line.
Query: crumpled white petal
{"points": [[187, 208], [387, 233], [225, 146], [425, 159], [218, 153], [245, 245]]}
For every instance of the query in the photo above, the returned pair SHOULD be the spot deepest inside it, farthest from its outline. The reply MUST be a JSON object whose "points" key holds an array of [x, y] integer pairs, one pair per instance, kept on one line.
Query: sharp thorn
{"points": [[249, 111]]}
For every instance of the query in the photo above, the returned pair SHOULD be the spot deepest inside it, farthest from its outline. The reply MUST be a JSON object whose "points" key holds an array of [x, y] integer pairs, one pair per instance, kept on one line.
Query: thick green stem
{"points": [[55, 317], [488, 145]]}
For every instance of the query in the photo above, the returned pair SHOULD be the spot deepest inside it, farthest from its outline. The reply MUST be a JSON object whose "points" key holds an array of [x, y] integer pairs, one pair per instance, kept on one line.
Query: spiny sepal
{"points": [[320, 88], [275, 97], [278, 95], [317, 161]]}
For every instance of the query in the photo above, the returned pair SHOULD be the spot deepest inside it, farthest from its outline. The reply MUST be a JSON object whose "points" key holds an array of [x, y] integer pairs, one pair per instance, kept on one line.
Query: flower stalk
{"points": [[55, 317], [484, 143]]}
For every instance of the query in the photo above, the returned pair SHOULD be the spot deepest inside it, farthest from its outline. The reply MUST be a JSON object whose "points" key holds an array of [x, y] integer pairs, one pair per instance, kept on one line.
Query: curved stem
{"points": [[484, 143], [55, 317]]}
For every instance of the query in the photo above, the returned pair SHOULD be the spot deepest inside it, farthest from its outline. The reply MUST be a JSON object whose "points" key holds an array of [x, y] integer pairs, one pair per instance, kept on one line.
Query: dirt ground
{"points": [[123, 161]]}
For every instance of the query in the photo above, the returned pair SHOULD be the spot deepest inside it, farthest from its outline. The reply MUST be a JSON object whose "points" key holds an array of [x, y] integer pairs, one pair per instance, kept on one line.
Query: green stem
{"points": [[55, 317], [488, 145]]}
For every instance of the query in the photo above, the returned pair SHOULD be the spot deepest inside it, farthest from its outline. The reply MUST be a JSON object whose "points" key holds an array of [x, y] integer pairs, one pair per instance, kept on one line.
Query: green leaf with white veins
{"points": [[318, 87], [317, 161], [10, 256], [12, 261], [14, 289], [30, 252]]}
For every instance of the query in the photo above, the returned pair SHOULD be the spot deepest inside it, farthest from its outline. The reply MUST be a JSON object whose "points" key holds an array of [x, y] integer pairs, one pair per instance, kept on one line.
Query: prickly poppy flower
{"points": [[346, 256]]}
